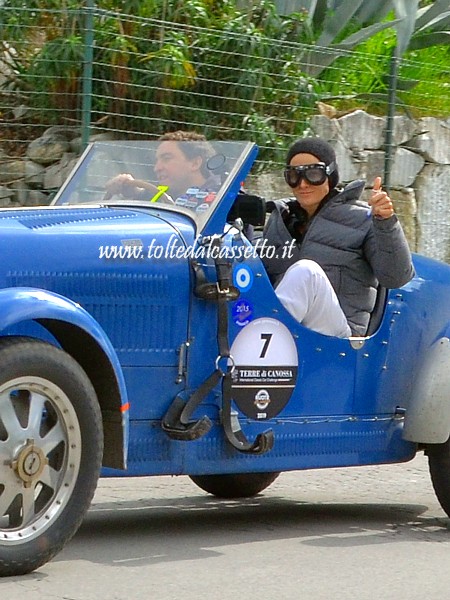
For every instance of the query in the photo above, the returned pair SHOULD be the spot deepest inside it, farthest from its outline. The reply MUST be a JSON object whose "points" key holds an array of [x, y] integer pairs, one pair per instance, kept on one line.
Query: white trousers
{"points": [[306, 292]]}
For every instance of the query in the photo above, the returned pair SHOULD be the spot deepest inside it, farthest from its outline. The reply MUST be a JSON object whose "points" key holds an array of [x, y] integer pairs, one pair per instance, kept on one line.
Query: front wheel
{"points": [[439, 465], [51, 446], [235, 485]]}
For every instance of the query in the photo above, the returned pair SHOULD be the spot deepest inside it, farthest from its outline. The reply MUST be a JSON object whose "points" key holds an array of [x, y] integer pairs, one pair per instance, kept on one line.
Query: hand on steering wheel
{"points": [[126, 185]]}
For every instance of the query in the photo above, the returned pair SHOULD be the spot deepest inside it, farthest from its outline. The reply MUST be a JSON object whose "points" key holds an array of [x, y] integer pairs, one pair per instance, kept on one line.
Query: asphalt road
{"points": [[351, 534]]}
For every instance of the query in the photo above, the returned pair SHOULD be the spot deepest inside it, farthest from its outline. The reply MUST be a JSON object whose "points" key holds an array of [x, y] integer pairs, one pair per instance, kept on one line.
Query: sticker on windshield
{"points": [[202, 208], [162, 190], [266, 367]]}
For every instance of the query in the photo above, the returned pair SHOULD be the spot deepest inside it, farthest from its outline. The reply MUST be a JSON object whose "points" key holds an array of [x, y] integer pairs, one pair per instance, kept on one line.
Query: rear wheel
{"points": [[235, 485], [51, 447], [439, 464]]}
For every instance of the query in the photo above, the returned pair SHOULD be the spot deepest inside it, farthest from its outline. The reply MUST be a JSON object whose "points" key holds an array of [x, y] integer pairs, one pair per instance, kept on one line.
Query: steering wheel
{"points": [[126, 185]]}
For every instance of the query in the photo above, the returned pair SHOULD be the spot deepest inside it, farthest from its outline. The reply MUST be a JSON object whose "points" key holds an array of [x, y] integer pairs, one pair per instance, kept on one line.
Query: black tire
{"points": [[439, 465], [51, 446], [234, 485]]}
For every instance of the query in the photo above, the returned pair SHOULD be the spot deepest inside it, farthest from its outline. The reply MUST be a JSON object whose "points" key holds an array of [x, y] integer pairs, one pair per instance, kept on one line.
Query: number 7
{"points": [[266, 337], [162, 189]]}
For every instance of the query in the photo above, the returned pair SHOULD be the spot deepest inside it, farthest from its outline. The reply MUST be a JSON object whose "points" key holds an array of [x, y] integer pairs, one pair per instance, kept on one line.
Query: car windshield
{"points": [[188, 177]]}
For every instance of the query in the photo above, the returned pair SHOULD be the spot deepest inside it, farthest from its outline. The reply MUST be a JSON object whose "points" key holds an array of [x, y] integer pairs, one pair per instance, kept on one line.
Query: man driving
{"points": [[181, 168]]}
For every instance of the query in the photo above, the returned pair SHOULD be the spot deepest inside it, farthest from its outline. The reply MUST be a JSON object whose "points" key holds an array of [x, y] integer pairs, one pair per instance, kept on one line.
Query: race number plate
{"points": [[266, 365]]}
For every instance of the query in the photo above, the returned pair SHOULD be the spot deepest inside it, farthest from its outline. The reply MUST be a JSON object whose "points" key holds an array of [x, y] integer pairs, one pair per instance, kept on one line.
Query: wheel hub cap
{"points": [[30, 463]]}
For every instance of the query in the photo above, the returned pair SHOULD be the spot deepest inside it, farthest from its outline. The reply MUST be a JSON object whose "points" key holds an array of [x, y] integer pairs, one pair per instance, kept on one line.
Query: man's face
{"points": [[175, 170]]}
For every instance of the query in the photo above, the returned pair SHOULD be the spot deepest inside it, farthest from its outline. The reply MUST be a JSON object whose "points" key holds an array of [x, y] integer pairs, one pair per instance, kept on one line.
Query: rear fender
{"points": [[427, 418], [79, 334]]}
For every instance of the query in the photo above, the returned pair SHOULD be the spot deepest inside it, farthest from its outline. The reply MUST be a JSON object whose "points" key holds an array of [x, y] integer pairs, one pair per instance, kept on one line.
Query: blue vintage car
{"points": [[140, 335]]}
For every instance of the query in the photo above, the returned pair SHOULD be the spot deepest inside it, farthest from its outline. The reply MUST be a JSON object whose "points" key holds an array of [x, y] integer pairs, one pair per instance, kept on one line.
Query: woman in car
{"points": [[343, 248]]}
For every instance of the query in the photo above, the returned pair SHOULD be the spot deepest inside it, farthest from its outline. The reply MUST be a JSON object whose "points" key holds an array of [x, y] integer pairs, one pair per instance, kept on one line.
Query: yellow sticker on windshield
{"points": [[162, 190]]}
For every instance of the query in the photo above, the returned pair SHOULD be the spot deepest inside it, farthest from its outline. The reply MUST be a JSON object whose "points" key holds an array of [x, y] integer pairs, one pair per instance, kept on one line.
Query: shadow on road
{"points": [[146, 532]]}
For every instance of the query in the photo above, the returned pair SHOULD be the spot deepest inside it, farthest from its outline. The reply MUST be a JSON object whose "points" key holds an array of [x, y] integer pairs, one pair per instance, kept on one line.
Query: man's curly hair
{"points": [[191, 150], [182, 136]]}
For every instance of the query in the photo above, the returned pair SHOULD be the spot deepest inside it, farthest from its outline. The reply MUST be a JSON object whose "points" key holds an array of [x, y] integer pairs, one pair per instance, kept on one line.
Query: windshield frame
{"points": [[236, 158]]}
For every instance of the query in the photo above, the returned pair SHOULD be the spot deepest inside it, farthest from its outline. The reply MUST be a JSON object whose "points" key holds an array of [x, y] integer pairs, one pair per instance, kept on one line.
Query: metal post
{"points": [[87, 72], [388, 145]]}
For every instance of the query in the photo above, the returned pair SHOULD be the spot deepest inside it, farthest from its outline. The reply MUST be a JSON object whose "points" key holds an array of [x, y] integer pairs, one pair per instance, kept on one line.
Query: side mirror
{"points": [[251, 209]]}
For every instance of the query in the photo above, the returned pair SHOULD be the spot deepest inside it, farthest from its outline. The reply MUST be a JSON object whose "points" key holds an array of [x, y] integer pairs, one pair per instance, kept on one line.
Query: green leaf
{"points": [[319, 14], [406, 11], [320, 58], [442, 22], [428, 14], [336, 21], [364, 34], [426, 40], [373, 11], [403, 85]]}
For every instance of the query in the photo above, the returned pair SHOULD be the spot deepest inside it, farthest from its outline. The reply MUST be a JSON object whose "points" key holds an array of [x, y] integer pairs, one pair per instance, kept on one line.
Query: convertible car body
{"points": [[143, 337]]}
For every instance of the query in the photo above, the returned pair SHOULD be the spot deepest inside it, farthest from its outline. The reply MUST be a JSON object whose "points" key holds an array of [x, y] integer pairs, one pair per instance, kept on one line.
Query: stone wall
{"points": [[33, 179], [420, 175]]}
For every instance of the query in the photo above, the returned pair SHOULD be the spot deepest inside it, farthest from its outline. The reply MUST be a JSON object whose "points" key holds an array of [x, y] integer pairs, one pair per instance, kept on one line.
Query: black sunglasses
{"points": [[315, 174]]}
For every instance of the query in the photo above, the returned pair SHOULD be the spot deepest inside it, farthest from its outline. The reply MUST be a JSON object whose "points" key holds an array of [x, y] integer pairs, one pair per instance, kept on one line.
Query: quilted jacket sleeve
{"points": [[387, 251]]}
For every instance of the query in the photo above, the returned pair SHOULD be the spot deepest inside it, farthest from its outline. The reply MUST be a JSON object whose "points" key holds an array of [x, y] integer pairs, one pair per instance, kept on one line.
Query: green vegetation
{"points": [[362, 81], [233, 71]]}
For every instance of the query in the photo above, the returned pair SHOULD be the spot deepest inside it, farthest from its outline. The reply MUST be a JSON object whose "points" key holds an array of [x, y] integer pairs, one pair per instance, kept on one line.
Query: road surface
{"points": [[336, 534]]}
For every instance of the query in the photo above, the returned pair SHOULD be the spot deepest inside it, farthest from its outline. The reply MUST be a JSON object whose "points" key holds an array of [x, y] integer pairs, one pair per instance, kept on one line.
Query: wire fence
{"points": [[101, 71]]}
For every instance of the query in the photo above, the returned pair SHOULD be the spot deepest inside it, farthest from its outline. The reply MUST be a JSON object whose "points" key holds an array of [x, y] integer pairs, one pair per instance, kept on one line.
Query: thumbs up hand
{"points": [[380, 202]]}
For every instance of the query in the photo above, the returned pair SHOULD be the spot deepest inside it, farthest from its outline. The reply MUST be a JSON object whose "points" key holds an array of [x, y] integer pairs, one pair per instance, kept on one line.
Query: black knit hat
{"points": [[317, 147]]}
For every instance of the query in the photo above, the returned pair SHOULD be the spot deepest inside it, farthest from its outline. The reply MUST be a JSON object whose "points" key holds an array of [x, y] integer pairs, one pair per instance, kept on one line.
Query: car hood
{"points": [[88, 239], [79, 231], [100, 258]]}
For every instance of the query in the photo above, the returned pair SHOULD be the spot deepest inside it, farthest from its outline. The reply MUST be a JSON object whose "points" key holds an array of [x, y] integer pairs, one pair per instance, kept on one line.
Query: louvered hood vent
{"points": [[40, 219]]}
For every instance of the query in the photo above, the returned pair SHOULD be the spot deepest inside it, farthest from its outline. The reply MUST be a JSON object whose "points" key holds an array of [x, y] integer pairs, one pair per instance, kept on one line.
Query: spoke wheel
{"points": [[234, 485], [50, 452]]}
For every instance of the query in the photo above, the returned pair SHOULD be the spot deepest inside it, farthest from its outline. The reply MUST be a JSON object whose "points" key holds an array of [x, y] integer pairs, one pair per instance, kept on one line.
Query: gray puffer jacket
{"points": [[356, 251]]}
